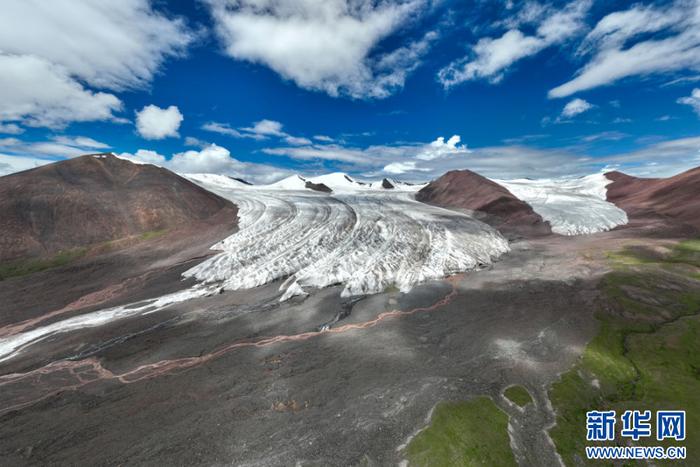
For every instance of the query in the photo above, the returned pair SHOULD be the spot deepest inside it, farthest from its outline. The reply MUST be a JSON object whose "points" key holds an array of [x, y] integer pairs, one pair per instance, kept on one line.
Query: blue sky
{"points": [[261, 89]]}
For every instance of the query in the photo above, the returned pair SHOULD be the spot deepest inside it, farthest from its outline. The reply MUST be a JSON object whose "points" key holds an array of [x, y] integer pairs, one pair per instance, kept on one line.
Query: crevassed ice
{"points": [[572, 206], [366, 241]]}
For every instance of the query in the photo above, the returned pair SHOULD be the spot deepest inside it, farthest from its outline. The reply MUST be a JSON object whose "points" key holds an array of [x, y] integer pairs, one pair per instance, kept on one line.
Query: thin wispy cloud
{"points": [[492, 57], [620, 45]]}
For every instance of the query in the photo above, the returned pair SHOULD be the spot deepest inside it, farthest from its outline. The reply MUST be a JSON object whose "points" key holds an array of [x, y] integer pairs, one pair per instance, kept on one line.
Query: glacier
{"points": [[365, 239], [572, 206]]}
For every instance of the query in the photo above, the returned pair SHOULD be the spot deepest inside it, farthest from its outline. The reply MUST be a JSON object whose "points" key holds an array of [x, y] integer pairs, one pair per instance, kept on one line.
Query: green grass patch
{"points": [[151, 234], [30, 266], [471, 433], [518, 395], [646, 354]]}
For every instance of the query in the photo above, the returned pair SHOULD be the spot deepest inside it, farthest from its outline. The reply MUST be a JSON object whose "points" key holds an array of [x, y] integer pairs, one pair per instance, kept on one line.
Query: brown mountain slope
{"points": [[675, 199], [493, 203], [93, 199]]}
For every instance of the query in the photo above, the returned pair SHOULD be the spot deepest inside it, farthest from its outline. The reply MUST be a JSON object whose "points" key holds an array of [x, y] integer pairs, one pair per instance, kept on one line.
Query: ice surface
{"points": [[366, 240], [339, 182], [11, 345], [573, 206], [221, 181]]}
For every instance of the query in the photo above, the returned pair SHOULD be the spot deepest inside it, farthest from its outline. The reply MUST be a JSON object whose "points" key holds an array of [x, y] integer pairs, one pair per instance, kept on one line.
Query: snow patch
{"points": [[294, 182]]}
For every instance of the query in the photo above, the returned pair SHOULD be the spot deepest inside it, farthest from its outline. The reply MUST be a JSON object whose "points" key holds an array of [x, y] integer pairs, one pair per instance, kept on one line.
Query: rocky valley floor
{"points": [[240, 378]]}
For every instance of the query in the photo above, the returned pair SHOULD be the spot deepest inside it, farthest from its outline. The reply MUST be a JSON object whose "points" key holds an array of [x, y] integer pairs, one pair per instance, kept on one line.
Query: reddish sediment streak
{"points": [[20, 390]]}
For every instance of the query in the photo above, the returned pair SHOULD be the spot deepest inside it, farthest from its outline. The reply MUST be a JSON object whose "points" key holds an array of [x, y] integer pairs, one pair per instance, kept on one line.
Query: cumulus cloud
{"points": [[575, 107], [324, 45], [47, 73], [491, 58], [693, 100], [439, 149], [639, 41], [114, 45], [152, 122], [40, 93], [210, 159]]}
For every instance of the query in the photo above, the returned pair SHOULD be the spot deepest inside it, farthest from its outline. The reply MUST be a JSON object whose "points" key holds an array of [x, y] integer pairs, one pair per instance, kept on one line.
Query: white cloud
{"points": [[59, 146], [192, 141], [80, 141], [604, 136], [40, 93], [210, 159], [260, 130], [114, 45], [152, 122], [616, 55], [491, 58], [51, 53], [11, 129], [297, 141], [325, 45], [422, 161], [329, 152], [12, 164], [323, 138], [265, 128], [146, 156], [693, 100], [398, 158], [222, 128], [396, 168], [439, 149], [575, 107]]}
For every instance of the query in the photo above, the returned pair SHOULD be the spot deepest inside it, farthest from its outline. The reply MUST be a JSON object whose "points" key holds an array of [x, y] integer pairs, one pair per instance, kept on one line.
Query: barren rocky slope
{"points": [[92, 199], [673, 199], [465, 189]]}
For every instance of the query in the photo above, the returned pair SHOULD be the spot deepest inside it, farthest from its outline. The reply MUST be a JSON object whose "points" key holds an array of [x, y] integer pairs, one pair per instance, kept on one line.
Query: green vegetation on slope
{"points": [[30, 266], [647, 353], [518, 395], [153, 234], [24, 267], [472, 433]]}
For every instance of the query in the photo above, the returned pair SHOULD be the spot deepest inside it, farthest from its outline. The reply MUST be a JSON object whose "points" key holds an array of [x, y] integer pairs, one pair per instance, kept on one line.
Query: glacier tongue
{"points": [[573, 206], [364, 240]]}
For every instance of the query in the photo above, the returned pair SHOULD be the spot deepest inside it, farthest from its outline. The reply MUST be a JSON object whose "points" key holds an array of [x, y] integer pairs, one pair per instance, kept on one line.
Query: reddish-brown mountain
{"points": [[675, 199], [493, 203], [96, 198]]}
